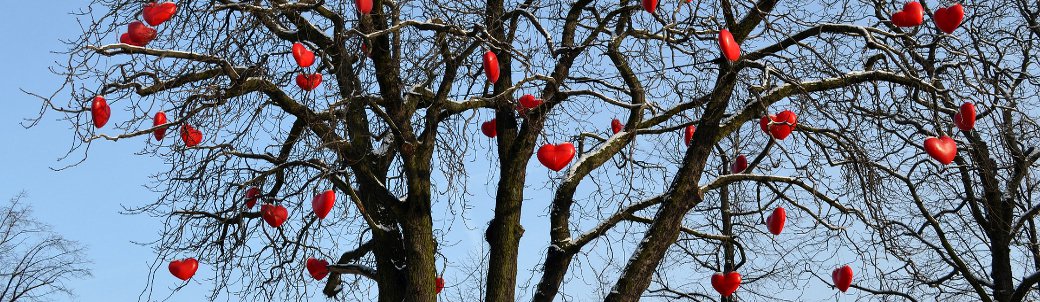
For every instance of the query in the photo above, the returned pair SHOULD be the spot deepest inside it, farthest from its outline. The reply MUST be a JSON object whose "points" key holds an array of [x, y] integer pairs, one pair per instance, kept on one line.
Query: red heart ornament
{"points": [[308, 82], [274, 215], [317, 268], [364, 6], [252, 195], [364, 50], [141, 33], [125, 39], [191, 136], [650, 5], [739, 165], [842, 277], [965, 118], [911, 15], [725, 284], [99, 111], [490, 128], [303, 56], [947, 19], [779, 126], [616, 126], [184, 269], [729, 46], [942, 149], [157, 13], [491, 66], [556, 157], [688, 134], [323, 203], [775, 222], [528, 101], [440, 284], [159, 119]]}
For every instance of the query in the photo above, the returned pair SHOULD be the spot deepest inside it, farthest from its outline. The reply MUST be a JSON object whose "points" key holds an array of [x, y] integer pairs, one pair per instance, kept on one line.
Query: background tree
{"points": [[35, 262]]}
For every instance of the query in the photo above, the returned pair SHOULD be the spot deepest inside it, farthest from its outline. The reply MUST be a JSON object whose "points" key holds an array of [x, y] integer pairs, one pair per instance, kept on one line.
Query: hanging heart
{"points": [[191, 136], [911, 15], [965, 117], [528, 101], [489, 128], [779, 126], [688, 134], [491, 66], [364, 6], [650, 5], [942, 149], [323, 203], [842, 278], [274, 215], [141, 33], [318, 269], [729, 45], [775, 222], [126, 39], [304, 57], [99, 111], [616, 126], [440, 284], [184, 269], [308, 82], [739, 165], [556, 157], [157, 13], [947, 19], [158, 120], [365, 50], [252, 195], [725, 284]]}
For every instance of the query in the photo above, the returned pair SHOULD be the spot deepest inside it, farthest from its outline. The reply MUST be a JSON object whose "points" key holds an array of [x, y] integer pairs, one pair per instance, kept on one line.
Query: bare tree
{"points": [[35, 262]]}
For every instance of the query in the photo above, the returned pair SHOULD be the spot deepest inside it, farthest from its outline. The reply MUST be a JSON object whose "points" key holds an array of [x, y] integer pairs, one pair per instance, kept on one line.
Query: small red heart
{"points": [[274, 215], [725, 284], [489, 128], [308, 82], [650, 5], [779, 126], [126, 39], [303, 56], [364, 50], [775, 222], [942, 149], [491, 66], [157, 13], [100, 111], [191, 136], [947, 19], [616, 126], [317, 268], [965, 118], [141, 33], [364, 6], [252, 195], [556, 157], [440, 284], [911, 15], [323, 203], [729, 46], [688, 134], [529, 102], [160, 119], [739, 165], [184, 269], [842, 278]]}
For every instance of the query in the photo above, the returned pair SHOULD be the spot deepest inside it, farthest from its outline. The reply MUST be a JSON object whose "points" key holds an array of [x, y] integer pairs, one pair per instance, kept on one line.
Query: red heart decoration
{"points": [[965, 118], [491, 66], [842, 277], [942, 149], [364, 6], [440, 284], [775, 222], [125, 39], [490, 128], [184, 269], [317, 268], [688, 135], [947, 19], [529, 102], [779, 126], [323, 203], [191, 136], [100, 111], [157, 13], [141, 33], [308, 82], [911, 15], [160, 119], [616, 126], [364, 49], [556, 157], [739, 165], [725, 284], [729, 46], [252, 195], [303, 56], [274, 215], [650, 5]]}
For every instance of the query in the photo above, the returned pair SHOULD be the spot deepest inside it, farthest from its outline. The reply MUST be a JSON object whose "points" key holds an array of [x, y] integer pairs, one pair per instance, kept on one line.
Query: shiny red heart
{"points": [[317, 268], [729, 46], [739, 165], [779, 126], [308, 82], [364, 50], [775, 222], [157, 13], [440, 284], [725, 284], [556, 157], [141, 33], [491, 66], [125, 39], [159, 119], [184, 269], [303, 56], [100, 111], [650, 5], [842, 278], [489, 128], [323, 203], [947, 19], [274, 215], [528, 101], [364, 6], [191, 136], [942, 149], [616, 126], [911, 15], [965, 118], [688, 134], [252, 195]]}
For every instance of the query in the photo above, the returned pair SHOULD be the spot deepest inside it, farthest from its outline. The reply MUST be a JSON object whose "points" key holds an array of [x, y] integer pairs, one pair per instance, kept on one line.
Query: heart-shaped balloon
{"points": [[965, 117], [556, 157], [688, 134], [308, 82], [141, 33], [725, 284], [100, 111], [942, 149], [947, 19], [491, 66], [252, 195], [323, 203], [440, 284], [489, 128], [650, 5], [274, 215], [739, 165], [317, 268], [528, 101], [126, 39], [842, 278], [303, 56], [616, 126], [781, 125], [157, 13], [775, 222], [184, 269], [191, 136], [911, 15], [729, 46], [159, 119], [364, 50], [364, 6]]}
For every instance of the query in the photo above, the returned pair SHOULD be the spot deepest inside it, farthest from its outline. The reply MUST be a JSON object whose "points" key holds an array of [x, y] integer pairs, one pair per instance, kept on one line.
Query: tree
{"points": [[392, 131], [35, 262]]}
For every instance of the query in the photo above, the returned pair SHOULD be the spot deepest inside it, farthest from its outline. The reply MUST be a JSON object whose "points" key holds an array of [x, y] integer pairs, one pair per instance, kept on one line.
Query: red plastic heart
{"points": [[323, 203], [688, 134], [947, 19], [616, 126], [729, 46], [99, 111], [126, 39], [528, 101], [308, 82], [157, 13], [775, 222], [184, 269], [739, 165], [842, 278], [252, 195], [364, 6], [303, 56], [726, 284], [942, 149], [318, 269], [556, 157], [489, 128], [965, 117], [650, 5], [440, 284], [911, 15], [141, 33], [159, 119], [191, 136], [491, 66], [274, 215]]}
